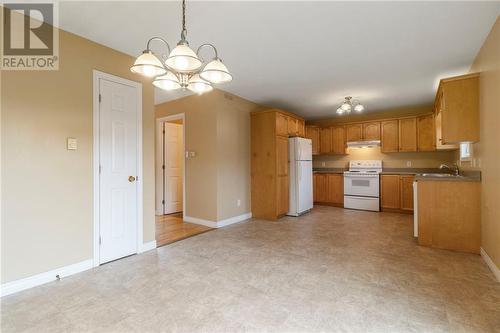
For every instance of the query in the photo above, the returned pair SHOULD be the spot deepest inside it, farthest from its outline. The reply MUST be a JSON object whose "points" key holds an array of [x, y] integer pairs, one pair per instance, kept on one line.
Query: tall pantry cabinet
{"points": [[270, 130]]}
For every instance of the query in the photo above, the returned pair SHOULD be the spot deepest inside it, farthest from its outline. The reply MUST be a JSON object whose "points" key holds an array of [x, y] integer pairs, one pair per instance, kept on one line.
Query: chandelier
{"points": [[350, 104], [181, 67]]}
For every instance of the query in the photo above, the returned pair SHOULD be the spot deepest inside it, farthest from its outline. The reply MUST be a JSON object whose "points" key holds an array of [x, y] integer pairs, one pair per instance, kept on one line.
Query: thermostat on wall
{"points": [[71, 144]]}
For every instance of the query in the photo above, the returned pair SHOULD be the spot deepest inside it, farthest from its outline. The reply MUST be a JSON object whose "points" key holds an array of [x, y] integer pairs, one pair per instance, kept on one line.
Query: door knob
{"points": [[131, 179]]}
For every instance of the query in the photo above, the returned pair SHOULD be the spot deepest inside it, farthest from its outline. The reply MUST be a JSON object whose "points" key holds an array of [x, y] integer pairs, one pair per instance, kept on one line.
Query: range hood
{"points": [[363, 144]]}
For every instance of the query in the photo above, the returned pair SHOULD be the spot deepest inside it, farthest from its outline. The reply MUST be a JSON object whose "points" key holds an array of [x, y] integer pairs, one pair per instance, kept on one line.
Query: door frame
{"points": [[159, 157], [97, 75]]}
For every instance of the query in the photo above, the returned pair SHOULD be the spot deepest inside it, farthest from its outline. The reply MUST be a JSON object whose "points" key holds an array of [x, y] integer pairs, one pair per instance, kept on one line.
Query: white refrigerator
{"points": [[300, 176]]}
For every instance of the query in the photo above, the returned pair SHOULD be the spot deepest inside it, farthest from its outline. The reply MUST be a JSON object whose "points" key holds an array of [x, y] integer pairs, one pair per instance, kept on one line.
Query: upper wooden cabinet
{"points": [[457, 99], [389, 136], [301, 127], [312, 132], [293, 128], [354, 132], [338, 140], [371, 131], [281, 124], [426, 133], [439, 138], [408, 134], [325, 140]]}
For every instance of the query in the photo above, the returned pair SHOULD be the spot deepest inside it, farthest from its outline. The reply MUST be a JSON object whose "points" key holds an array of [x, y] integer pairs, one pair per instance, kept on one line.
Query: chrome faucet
{"points": [[454, 169]]}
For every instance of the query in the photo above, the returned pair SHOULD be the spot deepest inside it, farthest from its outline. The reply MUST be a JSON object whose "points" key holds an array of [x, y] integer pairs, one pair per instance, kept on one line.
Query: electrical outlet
{"points": [[238, 202], [323, 164], [408, 164]]}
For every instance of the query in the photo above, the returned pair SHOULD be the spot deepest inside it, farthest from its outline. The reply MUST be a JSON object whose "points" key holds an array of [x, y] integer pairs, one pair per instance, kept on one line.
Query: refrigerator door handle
{"points": [[299, 171]]}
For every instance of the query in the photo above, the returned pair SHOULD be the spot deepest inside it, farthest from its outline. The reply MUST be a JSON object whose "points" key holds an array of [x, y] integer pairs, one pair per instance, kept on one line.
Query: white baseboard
{"points": [[234, 219], [147, 246], [42, 278], [490, 264], [218, 224]]}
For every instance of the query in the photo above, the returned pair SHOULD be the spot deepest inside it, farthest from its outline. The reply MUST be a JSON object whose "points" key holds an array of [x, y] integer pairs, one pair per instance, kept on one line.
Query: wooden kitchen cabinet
{"points": [[301, 128], [312, 132], [389, 192], [406, 192], [335, 188], [328, 189], [270, 130], [457, 100], [426, 133], [408, 134], [396, 193], [389, 136], [447, 220], [293, 126], [325, 140], [354, 132], [338, 140], [281, 124], [320, 190], [371, 131], [439, 137]]}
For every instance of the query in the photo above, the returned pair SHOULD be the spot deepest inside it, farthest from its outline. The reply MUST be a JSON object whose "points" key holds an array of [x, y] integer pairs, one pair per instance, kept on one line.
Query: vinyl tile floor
{"points": [[332, 270]]}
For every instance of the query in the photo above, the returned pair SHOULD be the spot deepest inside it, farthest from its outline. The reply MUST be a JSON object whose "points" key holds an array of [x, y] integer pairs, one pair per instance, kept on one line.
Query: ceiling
{"points": [[306, 56]]}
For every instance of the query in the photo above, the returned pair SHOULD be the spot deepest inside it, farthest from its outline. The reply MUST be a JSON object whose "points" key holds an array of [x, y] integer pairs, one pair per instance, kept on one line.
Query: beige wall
{"points": [[392, 160], [218, 129], [487, 151], [47, 190]]}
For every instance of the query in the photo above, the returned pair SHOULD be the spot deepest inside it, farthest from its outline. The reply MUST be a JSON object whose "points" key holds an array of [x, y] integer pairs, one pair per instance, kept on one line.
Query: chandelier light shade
{"points": [[181, 68], [216, 72], [198, 85], [148, 64], [183, 59], [348, 105], [167, 82]]}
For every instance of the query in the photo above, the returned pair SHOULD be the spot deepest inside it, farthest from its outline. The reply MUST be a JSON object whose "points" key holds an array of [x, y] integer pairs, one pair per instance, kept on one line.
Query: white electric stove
{"points": [[362, 185]]}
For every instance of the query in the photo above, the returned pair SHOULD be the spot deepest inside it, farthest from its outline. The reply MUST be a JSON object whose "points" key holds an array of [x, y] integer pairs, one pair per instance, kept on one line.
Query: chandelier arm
{"points": [[209, 45], [158, 39]]}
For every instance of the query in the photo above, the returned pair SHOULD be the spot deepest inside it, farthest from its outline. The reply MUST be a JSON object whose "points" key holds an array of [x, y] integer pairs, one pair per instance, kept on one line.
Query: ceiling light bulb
{"points": [[340, 111], [359, 108]]}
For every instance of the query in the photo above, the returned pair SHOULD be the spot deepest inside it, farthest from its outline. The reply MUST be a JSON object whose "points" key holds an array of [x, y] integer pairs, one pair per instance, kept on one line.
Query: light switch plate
{"points": [[71, 144]]}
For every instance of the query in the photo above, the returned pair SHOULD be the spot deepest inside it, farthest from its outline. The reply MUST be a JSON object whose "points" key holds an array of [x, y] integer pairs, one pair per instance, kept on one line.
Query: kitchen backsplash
{"points": [[393, 160]]}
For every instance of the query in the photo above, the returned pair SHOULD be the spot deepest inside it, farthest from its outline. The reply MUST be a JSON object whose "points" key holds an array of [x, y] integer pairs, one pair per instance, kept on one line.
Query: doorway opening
{"points": [[170, 183]]}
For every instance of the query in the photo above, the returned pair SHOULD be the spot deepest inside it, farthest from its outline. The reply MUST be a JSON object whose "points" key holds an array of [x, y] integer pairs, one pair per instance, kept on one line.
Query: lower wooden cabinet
{"points": [[328, 188], [396, 192]]}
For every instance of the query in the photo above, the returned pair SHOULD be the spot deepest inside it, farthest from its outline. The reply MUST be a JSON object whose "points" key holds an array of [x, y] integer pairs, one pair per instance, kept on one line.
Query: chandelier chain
{"points": [[184, 31]]}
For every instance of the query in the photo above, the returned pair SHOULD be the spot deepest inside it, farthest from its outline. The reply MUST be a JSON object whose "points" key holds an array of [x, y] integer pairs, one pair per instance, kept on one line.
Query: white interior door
{"points": [[173, 168], [118, 170]]}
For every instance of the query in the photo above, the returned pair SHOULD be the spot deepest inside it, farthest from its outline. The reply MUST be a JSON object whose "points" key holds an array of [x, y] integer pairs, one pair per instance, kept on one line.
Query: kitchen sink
{"points": [[440, 175]]}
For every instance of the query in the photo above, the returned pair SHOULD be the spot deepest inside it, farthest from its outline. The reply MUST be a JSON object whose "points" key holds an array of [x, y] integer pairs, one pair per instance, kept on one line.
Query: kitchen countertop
{"points": [[465, 176]]}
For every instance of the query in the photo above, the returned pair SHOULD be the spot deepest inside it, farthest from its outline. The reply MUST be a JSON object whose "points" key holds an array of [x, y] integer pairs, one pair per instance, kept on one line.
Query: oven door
{"points": [[361, 185]]}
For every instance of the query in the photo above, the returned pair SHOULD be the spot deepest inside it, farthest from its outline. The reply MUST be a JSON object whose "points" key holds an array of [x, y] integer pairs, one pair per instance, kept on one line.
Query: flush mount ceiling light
{"points": [[181, 67], [348, 105]]}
